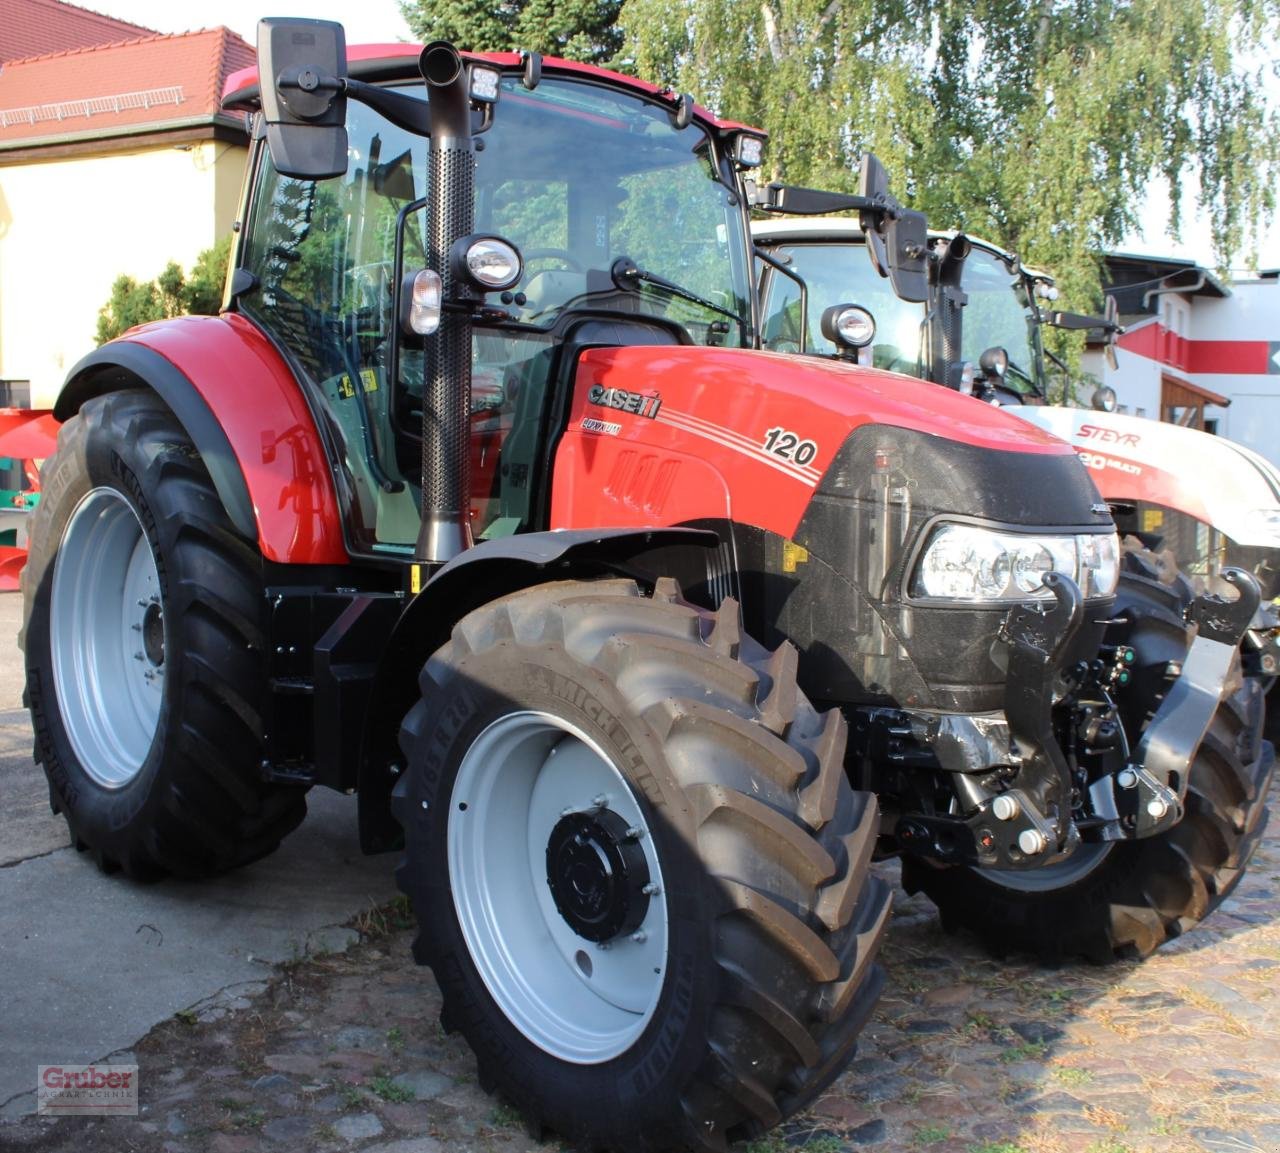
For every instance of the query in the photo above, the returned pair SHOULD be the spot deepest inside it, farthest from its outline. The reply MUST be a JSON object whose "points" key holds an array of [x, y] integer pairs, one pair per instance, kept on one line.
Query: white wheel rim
{"points": [[572, 997], [107, 638]]}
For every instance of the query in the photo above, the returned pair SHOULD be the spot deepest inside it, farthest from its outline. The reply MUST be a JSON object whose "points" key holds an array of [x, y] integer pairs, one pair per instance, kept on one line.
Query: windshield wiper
{"points": [[626, 275]]}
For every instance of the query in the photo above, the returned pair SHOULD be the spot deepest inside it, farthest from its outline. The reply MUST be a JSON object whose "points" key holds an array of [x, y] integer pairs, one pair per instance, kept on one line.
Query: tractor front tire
{"points": [[144, 635], [1119, 899], [641, 876]]}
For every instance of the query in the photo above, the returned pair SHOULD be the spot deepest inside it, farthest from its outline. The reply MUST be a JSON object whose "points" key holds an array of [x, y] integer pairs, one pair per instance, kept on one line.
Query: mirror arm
{"points": [[406, 112], [1077, 321], [797, 201]]}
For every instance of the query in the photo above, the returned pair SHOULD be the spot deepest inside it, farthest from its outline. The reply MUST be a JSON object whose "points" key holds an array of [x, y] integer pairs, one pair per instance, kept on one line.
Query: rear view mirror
{"points": [[302, 68], [907, 238], [897, 238], [1111, 312]]}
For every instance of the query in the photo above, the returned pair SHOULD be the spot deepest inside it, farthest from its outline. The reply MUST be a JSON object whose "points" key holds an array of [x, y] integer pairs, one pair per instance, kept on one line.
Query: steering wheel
{"points": [[571, 262]]}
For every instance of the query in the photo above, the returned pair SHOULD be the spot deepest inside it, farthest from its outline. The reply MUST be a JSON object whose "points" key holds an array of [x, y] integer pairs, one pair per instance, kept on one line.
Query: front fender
{"points": [[246, 415]]}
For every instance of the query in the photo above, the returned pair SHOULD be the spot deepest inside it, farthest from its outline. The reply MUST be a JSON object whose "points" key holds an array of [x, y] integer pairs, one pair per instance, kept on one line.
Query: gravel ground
{"points": [[965, 1054]]}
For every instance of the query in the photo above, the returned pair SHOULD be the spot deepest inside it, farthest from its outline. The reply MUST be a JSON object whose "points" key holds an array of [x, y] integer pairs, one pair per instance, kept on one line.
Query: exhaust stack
{"points": [[446, 407]]}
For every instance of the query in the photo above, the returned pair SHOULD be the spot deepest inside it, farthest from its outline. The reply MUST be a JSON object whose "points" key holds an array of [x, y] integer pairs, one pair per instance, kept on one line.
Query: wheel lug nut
{"points": [[639, 936], [635, 833], [652, 889], [139, 657], [599, 801]]}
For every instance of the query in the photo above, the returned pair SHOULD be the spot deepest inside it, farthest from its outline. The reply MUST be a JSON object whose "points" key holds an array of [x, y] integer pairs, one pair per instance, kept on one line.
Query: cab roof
{"points": [[379, 62]]}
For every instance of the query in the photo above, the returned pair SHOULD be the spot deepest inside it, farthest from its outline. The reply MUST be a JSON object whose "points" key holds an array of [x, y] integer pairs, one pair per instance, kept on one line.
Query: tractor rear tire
{"points": [[145, 644], [1124, 899], [641, 875]]}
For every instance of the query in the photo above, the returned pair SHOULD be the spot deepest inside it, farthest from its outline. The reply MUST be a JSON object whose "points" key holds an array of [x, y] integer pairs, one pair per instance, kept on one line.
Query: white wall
{"points": [[1250, 313], [68, 228], [1136, 380]]}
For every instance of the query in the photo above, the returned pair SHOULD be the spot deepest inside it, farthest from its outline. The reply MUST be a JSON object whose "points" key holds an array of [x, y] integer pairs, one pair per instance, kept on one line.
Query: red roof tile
{"points": [[100, 91], [38, 27]]}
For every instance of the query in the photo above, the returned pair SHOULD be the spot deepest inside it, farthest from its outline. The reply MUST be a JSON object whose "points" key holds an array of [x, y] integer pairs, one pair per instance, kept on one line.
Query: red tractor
{"points": [[479, 498]]}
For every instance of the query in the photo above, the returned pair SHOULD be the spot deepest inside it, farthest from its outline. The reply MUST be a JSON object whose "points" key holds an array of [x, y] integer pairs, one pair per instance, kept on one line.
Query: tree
{"points": [[135, 302], [573, 29], [1035, 125]]}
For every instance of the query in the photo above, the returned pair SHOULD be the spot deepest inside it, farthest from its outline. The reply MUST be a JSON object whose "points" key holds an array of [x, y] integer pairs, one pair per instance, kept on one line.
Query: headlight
{"points": [[965, 562], [848, 325], [420, 302], [488, 263]]}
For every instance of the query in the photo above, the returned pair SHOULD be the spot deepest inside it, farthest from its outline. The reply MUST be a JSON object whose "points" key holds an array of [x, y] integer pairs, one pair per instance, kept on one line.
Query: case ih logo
{"points": [[102, 1090], [625, 401], [1108, 435]]}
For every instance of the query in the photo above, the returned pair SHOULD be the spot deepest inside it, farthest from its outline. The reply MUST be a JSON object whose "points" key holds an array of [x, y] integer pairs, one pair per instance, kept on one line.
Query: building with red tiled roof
{"points": [[150, 84], [39, 27], [115, 158]]}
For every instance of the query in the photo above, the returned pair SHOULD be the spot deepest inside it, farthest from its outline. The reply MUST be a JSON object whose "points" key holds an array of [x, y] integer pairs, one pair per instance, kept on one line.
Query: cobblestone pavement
{"points": [[965, 1054]]}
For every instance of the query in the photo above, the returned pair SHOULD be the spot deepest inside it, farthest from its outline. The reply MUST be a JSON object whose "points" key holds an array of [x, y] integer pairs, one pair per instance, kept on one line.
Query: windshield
{"points": [[578, 176], [841, 273], [998, 314]]}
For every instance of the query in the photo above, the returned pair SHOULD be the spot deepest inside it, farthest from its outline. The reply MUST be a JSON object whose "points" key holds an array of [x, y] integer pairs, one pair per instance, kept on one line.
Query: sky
{"points": [[380, 21], [366, 22]]}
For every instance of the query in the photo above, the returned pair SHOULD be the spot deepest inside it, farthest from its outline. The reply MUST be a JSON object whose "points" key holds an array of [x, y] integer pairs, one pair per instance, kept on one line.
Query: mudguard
{"points": [[245, 413]]}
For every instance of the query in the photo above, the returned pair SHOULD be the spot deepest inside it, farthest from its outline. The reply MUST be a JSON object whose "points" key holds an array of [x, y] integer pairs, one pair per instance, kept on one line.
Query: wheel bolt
{"points": [[639, 936], [652, 889], [635, 833], [599, 801]]}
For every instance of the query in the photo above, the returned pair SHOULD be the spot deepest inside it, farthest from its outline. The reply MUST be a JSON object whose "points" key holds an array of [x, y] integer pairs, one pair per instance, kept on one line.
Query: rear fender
{"points": [[239, 402], [477, 576]]}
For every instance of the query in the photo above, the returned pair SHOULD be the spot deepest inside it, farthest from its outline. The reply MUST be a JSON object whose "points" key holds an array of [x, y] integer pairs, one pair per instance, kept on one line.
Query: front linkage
{"points": [[1024, 789]]}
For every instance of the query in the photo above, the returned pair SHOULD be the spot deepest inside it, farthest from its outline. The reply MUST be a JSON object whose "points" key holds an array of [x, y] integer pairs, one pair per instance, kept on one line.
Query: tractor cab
{"points": [[615, 205]]}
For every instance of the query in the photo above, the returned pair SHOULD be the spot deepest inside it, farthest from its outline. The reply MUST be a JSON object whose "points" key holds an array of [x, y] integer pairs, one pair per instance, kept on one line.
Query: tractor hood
{"points": [[763, 427], [1206, 477]]}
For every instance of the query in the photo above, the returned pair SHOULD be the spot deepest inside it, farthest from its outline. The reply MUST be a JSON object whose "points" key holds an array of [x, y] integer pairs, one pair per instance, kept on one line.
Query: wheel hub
{"points": [[153, 634], [558, 887], [597, 873]]}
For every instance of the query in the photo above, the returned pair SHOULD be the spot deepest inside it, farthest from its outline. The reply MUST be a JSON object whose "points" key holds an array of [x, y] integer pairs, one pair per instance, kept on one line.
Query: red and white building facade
{"points": [[1196, 350]]}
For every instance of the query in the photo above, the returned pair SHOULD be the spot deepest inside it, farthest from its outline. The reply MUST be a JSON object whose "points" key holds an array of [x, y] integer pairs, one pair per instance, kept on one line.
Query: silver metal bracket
{"points": [[1171, 740]]}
